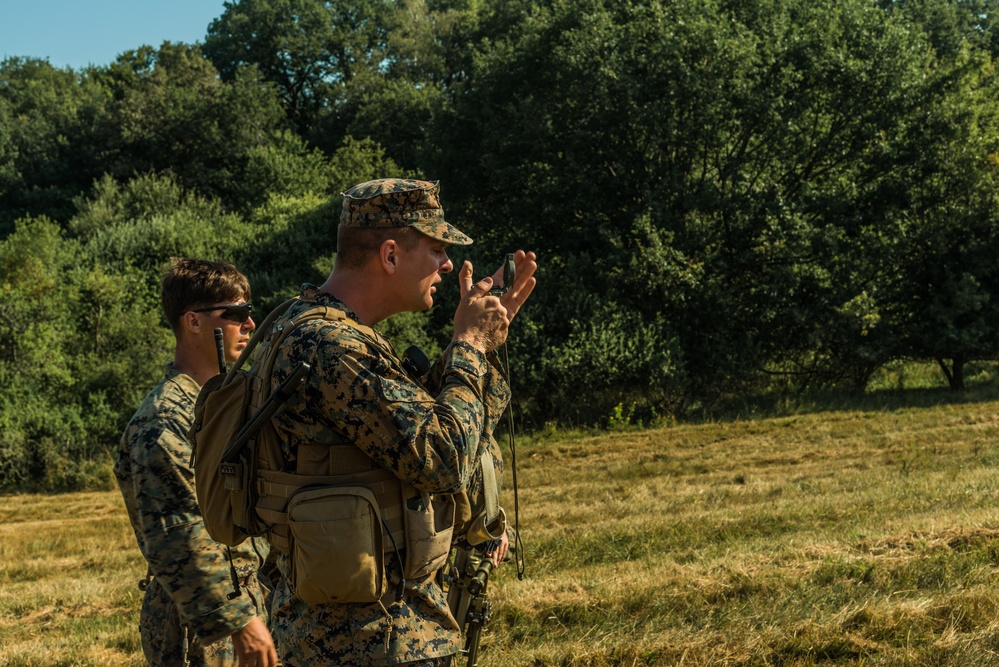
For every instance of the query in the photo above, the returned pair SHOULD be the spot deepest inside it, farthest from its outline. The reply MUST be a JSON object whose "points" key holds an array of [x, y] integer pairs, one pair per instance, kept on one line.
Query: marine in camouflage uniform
{"points": [[186, 606], [358, 392]]}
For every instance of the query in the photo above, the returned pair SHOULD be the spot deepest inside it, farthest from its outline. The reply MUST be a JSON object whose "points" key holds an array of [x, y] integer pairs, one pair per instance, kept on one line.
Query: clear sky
{"points": [[77, 33]]}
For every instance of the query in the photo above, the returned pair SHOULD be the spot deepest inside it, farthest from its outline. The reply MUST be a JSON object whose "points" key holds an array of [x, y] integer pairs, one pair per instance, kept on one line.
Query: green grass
{"points": [[863, 535], [68, 573]]}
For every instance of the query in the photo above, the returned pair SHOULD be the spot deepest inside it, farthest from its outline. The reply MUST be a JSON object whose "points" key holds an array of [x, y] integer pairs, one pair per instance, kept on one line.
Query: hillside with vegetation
{"points": [[728, 198]]}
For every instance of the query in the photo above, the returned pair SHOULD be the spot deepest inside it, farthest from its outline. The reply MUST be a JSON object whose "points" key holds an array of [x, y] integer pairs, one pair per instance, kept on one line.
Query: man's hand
{"points": [[523, 282], [498, 555], [481, 320], [254, 645], [477, 320]]}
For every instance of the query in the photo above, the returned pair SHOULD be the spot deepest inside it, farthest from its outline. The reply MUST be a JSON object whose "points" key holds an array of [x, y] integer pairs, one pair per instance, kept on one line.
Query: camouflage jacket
{"points": [[157, 483], [357, 391], [487, 442]]}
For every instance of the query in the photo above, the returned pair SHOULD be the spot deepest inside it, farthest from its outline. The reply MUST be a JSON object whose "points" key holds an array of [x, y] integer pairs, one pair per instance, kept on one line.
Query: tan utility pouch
{"points": [[429, 523], [336, 545], [482, 529], [237, 481]]}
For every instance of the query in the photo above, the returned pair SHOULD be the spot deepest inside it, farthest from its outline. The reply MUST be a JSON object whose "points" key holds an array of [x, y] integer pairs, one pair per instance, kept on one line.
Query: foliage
{"points": [[172, 113], [71, 363], [728, 198], [51, 139], [312, 51], [734, 163]]}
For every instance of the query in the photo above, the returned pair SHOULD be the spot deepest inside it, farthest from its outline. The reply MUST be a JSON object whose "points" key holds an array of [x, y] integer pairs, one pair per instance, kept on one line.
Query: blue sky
{"points": [[76, 33]]}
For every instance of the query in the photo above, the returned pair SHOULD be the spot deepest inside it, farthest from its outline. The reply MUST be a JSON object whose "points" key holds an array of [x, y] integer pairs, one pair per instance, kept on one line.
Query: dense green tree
{"points": [[692, 162], [311, 50], [941, 298], [74, 346], [152, 218], [52, 130], [429, 49], [950, 24], [286, 166], [173, 114], [373, 69]]}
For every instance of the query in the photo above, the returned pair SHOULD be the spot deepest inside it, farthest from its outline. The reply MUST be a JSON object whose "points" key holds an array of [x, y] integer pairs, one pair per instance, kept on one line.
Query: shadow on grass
{"points": [[788, 403]]}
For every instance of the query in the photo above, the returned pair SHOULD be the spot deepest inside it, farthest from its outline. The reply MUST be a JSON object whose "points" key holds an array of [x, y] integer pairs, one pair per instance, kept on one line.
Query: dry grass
{"points": [[68, 572], [837, 538], [831, 538]]}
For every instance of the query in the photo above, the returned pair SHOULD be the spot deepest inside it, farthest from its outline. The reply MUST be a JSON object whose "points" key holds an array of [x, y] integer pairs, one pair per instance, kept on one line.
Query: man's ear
{"points": [[191, 321], [388, 255]]}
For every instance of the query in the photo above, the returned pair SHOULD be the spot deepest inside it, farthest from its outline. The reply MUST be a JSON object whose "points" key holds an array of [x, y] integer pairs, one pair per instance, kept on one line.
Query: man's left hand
{"points": [[254, 645]]}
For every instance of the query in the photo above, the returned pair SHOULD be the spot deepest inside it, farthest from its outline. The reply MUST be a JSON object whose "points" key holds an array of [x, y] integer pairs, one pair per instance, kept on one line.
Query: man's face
{"points": [[421, 269], [235, 329]]}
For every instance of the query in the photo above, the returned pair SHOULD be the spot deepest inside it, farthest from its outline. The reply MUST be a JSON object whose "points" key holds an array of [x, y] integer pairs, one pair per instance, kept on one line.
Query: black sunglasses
{"points": [[239, 313]]}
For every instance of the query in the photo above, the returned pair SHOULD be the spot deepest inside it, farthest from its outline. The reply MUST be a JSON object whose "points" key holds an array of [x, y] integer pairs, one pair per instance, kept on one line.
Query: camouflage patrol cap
{"points": [[399, 202]]}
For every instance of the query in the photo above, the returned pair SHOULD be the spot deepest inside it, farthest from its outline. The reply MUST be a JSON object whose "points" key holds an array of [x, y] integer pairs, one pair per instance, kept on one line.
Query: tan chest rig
{"points": [[339, 513]]}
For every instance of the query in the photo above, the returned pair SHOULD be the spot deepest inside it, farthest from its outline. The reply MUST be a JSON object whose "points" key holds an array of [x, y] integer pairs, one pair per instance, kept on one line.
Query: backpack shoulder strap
{"points": [[264, 327], [315, 313], [327, 313]]}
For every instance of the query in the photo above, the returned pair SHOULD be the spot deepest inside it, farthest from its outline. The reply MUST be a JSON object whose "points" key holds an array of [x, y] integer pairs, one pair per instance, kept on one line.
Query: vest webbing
{"points": [[276, 488]]}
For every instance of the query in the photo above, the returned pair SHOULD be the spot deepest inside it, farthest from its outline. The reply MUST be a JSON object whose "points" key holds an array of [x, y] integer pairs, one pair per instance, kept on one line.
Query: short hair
{"points": [[356, 245], [198, 283]]}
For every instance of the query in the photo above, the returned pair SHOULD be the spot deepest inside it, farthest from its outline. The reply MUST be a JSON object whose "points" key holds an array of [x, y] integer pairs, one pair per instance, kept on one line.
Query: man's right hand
{"points": [[477, 320], [254, 645], [480, 320]]}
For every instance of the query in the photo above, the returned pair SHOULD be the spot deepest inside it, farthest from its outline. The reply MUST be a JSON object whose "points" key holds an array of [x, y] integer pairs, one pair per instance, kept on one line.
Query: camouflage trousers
{"points": [[163, 635], [436, 662]]}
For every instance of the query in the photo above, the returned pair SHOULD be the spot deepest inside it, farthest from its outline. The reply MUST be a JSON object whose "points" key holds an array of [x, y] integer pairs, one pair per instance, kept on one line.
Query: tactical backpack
{"points": [[232, 413]]}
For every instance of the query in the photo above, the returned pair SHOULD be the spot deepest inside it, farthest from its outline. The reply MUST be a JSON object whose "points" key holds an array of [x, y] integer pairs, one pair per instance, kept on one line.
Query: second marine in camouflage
{"points": [[187, 617]]}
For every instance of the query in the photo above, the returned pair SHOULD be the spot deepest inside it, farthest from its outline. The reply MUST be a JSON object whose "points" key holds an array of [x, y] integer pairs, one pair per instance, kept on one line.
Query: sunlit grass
{"points": [[850, 537], [69, 569], [846, 537]]}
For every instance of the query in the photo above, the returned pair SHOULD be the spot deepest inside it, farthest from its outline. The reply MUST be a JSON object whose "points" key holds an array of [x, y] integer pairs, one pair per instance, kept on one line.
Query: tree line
{"points": [[723, 194]]}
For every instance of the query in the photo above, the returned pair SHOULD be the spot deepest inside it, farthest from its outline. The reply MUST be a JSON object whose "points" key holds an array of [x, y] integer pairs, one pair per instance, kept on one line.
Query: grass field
{"points": [[855, 537]]}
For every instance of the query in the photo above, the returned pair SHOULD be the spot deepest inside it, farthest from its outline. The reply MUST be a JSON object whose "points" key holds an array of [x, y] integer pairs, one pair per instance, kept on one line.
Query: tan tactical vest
{"points": [[338, 506]]}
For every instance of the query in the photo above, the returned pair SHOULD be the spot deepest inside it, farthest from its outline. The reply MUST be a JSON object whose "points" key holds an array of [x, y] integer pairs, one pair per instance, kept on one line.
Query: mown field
{"points": [[855, 537]]}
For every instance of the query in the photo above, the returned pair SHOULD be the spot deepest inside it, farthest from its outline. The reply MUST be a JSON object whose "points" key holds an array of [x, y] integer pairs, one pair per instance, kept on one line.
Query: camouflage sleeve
{"points": [[497, 388], [181, 555], [427, 439], [432, 380], [497, 399]]}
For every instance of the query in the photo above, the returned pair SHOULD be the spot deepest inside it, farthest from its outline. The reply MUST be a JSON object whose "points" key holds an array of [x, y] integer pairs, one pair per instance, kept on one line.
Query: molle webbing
{"points": [[330, 465], [275, 488]]}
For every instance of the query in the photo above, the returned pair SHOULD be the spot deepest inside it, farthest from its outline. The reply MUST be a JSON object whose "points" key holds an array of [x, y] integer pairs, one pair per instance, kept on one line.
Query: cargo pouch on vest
{"points": [[336, 545], [429, 524]]}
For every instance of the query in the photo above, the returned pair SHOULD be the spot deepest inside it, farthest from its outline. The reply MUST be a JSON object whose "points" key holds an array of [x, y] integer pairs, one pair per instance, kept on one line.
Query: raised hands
{"points": [[483, 320], [523, 282]]}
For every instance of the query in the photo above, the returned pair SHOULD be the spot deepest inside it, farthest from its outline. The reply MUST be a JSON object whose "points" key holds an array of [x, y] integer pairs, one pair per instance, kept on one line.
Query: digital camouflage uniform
{"points": [[475, 491], [190, 572], [357, 391]]}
